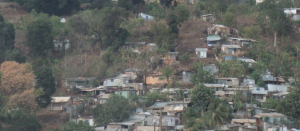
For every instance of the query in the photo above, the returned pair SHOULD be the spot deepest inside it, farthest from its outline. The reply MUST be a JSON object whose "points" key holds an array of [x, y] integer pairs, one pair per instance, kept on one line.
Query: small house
{"points": [[60, 103], [120, 80], [134, 45], [213, 40], [227, 81], [146, 17], [259, 93], [201, 52], [185, 77], [240, 41], [127, 125], [171, 57], [155, 109], [293, 12], [266, 120], [207, 17], [249, 61], [259, 1], [79, 82], [280, 96], [60, 45], [127, 93], [103, 98], [216, 87], [231, 49], [212, 68]]}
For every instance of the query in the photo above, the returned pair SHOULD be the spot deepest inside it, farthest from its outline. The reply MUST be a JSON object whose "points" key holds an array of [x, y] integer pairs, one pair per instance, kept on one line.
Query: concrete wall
{"points": [[280, 88], [115, 82]]}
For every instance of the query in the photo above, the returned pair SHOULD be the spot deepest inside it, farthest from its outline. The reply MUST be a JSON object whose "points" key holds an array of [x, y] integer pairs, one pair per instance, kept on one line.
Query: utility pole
{"points": [[160, 121]]}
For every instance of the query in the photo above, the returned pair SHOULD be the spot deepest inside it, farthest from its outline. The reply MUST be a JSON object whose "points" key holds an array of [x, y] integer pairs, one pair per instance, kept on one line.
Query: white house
{"points": [[293, 12], [231, 49], [259, 1], [201, 52], [60, 103], [146, 17]]}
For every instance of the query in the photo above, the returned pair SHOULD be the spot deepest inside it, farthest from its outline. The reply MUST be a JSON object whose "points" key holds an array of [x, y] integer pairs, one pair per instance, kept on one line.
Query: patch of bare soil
{"points": [[53, 119], [193, 35], [12, 12]]}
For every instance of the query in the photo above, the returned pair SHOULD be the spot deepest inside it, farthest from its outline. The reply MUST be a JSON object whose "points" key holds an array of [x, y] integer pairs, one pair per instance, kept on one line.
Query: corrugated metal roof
{"points": [[201, 49], [260, 115], [281, 94], [231, 46], [243, 121], [104, 96], [213, 38], [214, 85], [60, 99], [158, 105]]}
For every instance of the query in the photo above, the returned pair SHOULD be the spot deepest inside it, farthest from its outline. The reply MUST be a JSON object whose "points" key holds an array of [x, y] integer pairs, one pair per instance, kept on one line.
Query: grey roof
{"points": [[135, 43], [158, 105], [128, 122], [214, 85], [231, 46], [132, 70], [201, 49], [213, 38]]}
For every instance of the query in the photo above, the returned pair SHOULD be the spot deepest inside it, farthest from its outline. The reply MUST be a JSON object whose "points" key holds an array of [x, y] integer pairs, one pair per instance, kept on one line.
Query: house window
{"points": [[112, 80], [258, 89]]}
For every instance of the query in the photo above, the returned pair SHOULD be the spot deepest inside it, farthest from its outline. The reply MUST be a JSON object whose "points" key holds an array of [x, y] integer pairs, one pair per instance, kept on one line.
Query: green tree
{"points": [[21, 120], [252, 32], [233, 68], [258, 70], [163, 36], [126, 4], [15, 55], [219, 112], [173, 23], [167, 73], [290, 105], [182, 12], [153, 96], [106, 28], [201, 97], [201, 76], [230, 19], [185, 57], [116, 109], [39, 37], [99, 4], [271, 103], [45, 80], [273, 19], [7, 37], [57, 7], [80, 126], [166, 3]]}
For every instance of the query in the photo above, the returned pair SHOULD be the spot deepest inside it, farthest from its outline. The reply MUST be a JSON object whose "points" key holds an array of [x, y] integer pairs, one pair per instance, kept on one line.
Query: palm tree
{"points": [[218, 113]]}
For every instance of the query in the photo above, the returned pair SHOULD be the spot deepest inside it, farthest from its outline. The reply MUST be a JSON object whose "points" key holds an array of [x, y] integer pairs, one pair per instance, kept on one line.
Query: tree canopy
{"points": [[201, 97], [7, 37], [116, 109], [40, 37], [57, 7]]}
